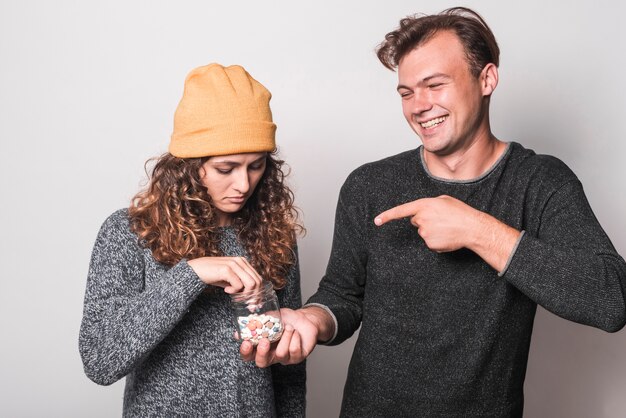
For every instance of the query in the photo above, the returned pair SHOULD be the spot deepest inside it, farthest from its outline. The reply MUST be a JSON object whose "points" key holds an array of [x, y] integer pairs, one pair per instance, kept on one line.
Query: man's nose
{"points": [[421, 102]]}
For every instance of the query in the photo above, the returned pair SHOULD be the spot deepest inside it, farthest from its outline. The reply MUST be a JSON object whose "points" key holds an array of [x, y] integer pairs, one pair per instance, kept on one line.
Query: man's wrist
{"points": [[322, 320], [494, 241]]}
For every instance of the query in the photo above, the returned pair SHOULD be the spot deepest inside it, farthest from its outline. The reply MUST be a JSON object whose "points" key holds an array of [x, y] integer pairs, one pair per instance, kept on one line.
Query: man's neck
{"points": [[466, 163]]}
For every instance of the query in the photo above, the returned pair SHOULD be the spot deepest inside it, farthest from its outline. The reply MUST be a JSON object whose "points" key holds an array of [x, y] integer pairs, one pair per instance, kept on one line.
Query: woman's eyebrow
{"points": [[227, 162]]}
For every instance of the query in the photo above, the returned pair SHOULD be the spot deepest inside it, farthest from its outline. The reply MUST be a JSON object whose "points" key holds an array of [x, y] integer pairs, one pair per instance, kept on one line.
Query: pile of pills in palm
{"points": [[254, 327]]}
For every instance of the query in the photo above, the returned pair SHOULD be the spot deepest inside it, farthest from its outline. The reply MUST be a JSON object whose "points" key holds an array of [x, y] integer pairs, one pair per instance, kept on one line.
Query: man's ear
{"points": [[489, 79]]}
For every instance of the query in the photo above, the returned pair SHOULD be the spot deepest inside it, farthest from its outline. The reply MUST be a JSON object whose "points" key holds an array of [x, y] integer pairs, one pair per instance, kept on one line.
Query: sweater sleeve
{"points": [[570, 266], [342, 287], [290, 381], [124, 317]]}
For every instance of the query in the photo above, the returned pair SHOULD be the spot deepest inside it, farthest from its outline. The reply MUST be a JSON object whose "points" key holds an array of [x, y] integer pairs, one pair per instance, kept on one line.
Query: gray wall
{"points": [[87, 94]]}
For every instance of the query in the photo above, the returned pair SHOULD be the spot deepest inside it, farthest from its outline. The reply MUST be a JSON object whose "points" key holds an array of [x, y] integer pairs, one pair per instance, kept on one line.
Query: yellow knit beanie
{"points": [[223, 111]]}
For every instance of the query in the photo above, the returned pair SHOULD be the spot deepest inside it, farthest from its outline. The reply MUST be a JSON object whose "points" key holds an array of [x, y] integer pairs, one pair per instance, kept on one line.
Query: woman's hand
{"points": [[234, 274], [303, 328]]}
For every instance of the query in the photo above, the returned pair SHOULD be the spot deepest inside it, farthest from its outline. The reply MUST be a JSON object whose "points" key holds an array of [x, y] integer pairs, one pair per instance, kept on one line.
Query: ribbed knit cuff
{"points": [[508, 262], [186, 280]]}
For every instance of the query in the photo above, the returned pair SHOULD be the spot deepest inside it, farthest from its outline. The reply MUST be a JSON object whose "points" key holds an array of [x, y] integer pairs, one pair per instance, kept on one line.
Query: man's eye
{"points": [[435, 85]]}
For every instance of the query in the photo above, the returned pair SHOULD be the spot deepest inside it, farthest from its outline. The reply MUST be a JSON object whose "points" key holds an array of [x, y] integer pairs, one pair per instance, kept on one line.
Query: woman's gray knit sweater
{"points": [[173, 341]]}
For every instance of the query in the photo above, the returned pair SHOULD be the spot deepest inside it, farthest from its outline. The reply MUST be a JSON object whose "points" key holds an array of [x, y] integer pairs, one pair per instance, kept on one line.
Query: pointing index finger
{"points": [[398, 212]]}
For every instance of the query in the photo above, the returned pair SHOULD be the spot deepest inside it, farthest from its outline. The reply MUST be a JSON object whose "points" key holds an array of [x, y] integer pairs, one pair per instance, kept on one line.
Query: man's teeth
{"points": [[432, 122]]}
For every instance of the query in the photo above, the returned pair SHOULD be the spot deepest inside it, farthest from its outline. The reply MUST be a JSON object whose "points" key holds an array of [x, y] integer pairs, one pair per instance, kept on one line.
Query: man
{"points": [[441, 254]]}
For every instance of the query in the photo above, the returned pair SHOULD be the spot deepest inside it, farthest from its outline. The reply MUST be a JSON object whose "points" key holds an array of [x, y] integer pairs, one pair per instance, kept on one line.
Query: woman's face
{"points": [[230, 180]]}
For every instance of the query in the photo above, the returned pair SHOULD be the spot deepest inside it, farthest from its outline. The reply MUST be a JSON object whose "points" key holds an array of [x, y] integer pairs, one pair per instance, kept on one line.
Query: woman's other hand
{"points": [[234, 274]]}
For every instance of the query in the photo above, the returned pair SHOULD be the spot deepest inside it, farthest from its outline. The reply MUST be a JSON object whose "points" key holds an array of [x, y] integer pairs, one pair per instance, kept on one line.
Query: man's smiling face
{"points": [[441, 99]]}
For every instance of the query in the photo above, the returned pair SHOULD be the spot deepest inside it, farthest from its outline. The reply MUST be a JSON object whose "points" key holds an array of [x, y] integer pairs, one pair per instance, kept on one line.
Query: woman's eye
{"points": [[256, 167], [223, 171]]}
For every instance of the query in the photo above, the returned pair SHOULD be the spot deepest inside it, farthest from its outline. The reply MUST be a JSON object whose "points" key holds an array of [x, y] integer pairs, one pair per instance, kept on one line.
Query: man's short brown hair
{"points": [[477, 39]]}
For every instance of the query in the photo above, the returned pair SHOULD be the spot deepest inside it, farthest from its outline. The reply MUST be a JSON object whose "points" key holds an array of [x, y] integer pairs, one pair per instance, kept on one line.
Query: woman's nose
{"points": [[242, 183]]}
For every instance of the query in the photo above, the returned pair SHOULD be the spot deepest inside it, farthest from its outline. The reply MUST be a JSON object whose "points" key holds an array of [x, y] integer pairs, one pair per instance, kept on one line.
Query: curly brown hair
{"points": [[175, 219]]}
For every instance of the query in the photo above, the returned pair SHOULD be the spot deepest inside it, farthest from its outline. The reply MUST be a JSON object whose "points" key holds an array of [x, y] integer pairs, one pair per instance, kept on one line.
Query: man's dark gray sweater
{"points": [[173, 341], [444, 334]]}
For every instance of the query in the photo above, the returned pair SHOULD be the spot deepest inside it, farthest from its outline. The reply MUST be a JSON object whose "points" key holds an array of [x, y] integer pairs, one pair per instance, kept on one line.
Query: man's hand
{"points": [[447, 224], [302, 328], [444, 223]]}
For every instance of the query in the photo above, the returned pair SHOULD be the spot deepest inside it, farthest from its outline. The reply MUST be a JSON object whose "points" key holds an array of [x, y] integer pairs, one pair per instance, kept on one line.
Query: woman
{"points": [[216, 218]]}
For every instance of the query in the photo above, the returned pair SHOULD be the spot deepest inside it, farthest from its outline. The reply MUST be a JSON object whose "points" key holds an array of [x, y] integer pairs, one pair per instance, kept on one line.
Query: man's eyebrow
{"points": [[425, 80], [436, 75]]}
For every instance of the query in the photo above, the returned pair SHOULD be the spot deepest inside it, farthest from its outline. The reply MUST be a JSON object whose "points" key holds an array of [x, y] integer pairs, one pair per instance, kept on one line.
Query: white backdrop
{"points": [[88, 91]]}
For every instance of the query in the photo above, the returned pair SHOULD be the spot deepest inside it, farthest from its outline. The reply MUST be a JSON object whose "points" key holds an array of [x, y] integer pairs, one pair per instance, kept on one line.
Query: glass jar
{"points": [[257, 314]]}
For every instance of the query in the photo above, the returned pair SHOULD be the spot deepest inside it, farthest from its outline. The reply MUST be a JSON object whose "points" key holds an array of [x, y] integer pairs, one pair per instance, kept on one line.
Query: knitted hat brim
{"points": [[225, 139]]}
